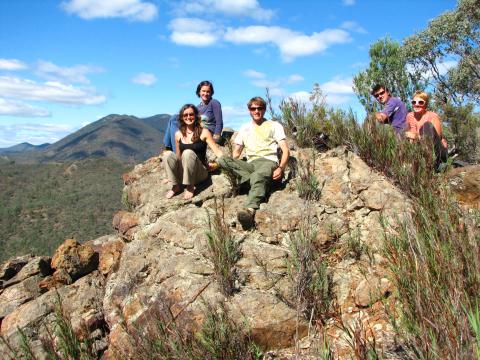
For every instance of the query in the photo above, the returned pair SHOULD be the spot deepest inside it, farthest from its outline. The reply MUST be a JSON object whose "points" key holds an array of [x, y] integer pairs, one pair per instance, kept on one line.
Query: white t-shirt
{"points": [[260, 141]]}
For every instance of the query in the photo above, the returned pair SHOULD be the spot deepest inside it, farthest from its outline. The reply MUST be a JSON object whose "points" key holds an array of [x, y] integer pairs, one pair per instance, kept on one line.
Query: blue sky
{"points": [[64, 64]]}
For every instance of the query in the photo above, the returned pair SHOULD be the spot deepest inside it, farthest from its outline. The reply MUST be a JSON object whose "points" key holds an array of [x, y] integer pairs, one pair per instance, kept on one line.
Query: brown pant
{"points": [[188, 170]]}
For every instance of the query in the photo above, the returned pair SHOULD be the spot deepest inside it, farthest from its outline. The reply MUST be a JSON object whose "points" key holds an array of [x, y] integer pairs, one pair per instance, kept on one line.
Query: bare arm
{"points": [[278, 172], [237, 151], [207, 137], [178, 135]]}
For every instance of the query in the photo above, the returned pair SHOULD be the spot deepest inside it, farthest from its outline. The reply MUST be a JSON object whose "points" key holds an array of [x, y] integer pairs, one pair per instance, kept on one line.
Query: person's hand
{"points": [[411, 135], [380, 117], [277, 173], [216, 137]]}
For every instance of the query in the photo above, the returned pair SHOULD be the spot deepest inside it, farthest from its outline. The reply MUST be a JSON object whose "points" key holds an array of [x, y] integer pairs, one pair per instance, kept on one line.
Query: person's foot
{"points": [[189, 192], [246, 218], [175, 190]]}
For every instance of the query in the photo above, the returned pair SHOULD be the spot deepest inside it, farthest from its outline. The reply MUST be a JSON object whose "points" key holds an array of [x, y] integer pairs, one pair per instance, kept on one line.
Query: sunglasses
{"points": [[188, 115], [418, 102], [377, 95], [255, 108]]}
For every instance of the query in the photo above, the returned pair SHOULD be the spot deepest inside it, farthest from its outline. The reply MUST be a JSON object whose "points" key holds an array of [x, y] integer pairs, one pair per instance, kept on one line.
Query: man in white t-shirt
{"points": [[260, 138]]}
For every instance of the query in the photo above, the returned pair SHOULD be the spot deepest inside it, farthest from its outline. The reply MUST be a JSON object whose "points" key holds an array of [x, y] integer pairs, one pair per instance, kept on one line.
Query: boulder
{"points": [[72, 260]]}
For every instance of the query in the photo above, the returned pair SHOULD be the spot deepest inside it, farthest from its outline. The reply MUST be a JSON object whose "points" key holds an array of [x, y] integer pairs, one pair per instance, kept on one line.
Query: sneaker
{"points": [[246, 217]]}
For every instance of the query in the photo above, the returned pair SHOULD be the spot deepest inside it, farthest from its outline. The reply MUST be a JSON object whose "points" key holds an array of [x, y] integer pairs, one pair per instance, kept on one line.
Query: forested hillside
{"points": [[43, 204]]}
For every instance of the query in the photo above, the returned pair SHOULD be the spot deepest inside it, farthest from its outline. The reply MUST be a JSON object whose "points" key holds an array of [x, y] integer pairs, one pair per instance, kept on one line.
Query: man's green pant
{"points": [[258, 172]]}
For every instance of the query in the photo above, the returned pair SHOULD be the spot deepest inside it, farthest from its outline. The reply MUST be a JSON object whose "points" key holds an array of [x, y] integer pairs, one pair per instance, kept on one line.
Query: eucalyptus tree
{"points": [[387, 66], [446, 54]]}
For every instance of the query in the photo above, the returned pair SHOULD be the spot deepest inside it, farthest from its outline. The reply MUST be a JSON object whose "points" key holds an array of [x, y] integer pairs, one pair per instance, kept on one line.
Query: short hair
{"points": [[257, 100], [378, 87], [204, 83], [422, 95]]}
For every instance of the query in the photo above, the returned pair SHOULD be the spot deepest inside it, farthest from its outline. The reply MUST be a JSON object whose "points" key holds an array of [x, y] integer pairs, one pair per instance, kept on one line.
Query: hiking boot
{"points": [[246, 217]]}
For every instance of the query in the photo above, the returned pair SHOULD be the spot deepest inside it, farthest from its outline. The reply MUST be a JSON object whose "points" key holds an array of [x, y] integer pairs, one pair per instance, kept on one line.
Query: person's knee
{"points": [[188, 154], [260, 177], [222, 161], [428, 130], [167, 154]]}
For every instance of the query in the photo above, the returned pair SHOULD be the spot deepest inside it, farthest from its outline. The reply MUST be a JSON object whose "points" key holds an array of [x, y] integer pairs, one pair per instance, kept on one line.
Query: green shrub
{"points": [[307, 184], [224, 250], [219, 337], [308, 275]]}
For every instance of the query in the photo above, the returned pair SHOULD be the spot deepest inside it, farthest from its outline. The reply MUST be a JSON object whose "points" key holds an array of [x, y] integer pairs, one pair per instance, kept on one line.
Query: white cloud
{"points": [[144, 79], [291, 44], [134, 10], [24, 89], [21, 109], [193, 32], [33, 133], [275, 86], [294, 78], [338, 85], [254, 74], [338, 91], [348, 2], [75, 73], [300, 96], [246, 8], [353, 26], [12, 65]]}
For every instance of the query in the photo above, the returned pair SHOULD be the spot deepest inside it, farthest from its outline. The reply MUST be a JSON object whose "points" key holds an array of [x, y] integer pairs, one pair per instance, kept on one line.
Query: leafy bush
{"points": [[462, 131]]}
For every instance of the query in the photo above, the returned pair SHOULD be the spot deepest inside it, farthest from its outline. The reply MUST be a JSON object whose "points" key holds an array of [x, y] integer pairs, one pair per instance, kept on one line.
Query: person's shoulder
{"points": [[396, 100], [432, 115], [245, 127], [215, 102], [275, 124]]}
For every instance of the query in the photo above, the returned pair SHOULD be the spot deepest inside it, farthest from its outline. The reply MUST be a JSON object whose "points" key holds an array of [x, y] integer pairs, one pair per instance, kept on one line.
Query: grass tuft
{"points": [[224, 250]]}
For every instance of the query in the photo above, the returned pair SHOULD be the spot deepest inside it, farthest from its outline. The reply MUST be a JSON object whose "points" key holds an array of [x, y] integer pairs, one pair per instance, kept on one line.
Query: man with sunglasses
{"points": [[394, 110], [260, 138]]}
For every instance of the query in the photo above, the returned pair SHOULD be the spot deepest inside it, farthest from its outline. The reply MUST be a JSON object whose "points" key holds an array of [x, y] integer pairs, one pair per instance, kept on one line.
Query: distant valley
{"points": [[71, 188], [123, 138]]}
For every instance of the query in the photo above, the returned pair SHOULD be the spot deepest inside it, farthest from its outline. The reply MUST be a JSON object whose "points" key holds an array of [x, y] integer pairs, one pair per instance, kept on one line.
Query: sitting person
{"points": [[424, 123], [394, 110], [210, 110], [187, 165], [260, 138]]}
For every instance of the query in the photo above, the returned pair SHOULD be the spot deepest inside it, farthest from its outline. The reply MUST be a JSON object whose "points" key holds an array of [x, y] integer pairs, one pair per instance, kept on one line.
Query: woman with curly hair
{"points": [[187, 165]]}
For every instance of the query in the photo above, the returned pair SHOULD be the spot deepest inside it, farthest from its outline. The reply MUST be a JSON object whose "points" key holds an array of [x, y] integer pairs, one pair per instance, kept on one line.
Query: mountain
{"points": [[124, 138], [19, 148]]}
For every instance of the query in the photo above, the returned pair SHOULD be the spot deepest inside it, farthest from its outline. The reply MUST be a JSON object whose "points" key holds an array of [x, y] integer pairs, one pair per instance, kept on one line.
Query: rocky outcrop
{"points": [[158, 260], [465, 184]]}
